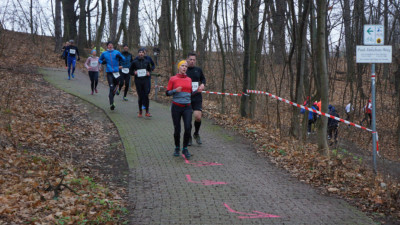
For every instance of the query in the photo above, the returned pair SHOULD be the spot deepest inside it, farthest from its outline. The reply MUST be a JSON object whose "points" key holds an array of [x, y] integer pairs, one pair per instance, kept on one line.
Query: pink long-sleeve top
{"points": [[92, 64]]}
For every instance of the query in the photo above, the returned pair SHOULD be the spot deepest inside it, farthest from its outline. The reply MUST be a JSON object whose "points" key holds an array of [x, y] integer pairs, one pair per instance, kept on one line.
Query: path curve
{"points": [[245, 189]]}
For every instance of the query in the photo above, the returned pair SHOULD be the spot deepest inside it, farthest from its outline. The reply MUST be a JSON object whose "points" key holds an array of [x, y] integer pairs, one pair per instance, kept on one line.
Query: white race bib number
{"points": [[116, 74], [72, 51], [125, 70], [94, 63], [195, 86], [141, 72]]}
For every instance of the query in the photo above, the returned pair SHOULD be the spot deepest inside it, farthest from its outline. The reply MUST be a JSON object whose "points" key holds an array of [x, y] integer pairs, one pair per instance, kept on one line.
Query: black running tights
{"points": [[185, 113]]}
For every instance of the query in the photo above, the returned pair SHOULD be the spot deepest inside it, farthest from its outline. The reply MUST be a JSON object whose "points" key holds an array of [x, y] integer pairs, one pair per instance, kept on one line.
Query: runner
{"points": [[125, 76], [70, 53], [153, 66], [112, 58], [141, 68], [93, 66], [62, 56], [198, 82], [180, 87], [367, 113]]}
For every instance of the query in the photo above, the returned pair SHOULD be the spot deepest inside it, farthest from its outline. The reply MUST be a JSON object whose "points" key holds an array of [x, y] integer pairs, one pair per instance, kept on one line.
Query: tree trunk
{"points": [[172, 37], [252, 53], [100, 29], [301, 64], [349, 39], [82, 38], [185, 25], [235, 27], [202, 38], [323, 74], [89, 17], [57, 27], [113, 24], [31, 16], [70, 19], [221, 46], [134, 29], [122, 25], [278, 24], [163, 24]]}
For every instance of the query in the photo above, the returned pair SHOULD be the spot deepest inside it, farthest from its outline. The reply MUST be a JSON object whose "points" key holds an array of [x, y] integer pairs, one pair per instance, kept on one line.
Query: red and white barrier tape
{"points": [[212, 92], [316, 111]]}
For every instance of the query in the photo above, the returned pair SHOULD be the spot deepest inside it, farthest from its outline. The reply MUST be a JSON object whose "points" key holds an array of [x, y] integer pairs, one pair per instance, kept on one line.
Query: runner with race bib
{"points": [[125, 77], [93, 66], [198, 82], [141, 68], [71, 53], [112, 59]]}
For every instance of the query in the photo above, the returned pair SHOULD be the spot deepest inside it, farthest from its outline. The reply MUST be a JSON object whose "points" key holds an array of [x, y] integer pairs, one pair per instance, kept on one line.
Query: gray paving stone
{"points": [[158, 183]]}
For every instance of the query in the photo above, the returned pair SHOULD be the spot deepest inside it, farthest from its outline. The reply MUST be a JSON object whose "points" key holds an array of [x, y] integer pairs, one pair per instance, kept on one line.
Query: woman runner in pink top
{"points": [[93, 66]]}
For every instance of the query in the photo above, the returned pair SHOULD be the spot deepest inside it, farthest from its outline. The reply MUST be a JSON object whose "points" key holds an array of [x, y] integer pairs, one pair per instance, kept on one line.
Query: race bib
{"points": [[116, 74], [125, 70], [195, 86], [94, 63], [141, 72], [72, 51]]}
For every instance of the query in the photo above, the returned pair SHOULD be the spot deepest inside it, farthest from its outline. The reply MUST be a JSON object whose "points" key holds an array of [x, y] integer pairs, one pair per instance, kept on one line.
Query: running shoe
{"points": [[186, 153], [73, 76], [91, 93], [112, 107], [95, 90], [148, 115], [117, 92], [140, 115], [190, 141], [69, 77], [125, 98], [197, 138], [176, 152]]}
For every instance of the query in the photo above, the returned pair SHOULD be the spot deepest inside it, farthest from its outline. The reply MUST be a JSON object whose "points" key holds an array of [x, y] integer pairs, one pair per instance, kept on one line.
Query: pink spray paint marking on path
{"points": [[203, 182], [254, 215], [201, 163]]}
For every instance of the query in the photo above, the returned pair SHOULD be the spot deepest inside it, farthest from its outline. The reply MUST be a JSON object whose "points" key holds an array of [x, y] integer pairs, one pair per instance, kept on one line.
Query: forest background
{"points": [[293, 49]]}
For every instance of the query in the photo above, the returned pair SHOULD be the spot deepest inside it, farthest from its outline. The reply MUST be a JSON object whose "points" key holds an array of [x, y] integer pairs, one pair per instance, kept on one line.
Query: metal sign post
{"points": [[377, 53], [373, 115]]}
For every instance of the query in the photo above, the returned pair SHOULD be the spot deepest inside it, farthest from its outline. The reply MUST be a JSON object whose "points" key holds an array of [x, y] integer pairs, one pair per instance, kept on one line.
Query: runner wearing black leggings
{"points": [[180, 87], [125, 76], [112, 59], [141, 68], [93, 66]]}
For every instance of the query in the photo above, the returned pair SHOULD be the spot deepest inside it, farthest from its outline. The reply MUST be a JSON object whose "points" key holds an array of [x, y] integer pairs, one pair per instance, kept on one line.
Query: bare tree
{"points": [[70, 19], [253, 40], [57, 27], [89, 17], [221, 48], [278, 11], [134, 29], [301, 43], [323, 88], [201, 39], [113, 20], [82, 37], [122, 26], [100, 29], [185, 24]]}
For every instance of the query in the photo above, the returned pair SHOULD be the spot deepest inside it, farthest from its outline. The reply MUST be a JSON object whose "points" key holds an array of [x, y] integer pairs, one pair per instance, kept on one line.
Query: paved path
{"points": [[246, 189]]}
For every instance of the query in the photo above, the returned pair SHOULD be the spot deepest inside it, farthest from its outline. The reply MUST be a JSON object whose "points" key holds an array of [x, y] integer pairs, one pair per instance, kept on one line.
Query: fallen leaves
{"points": [[45, 142]]}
